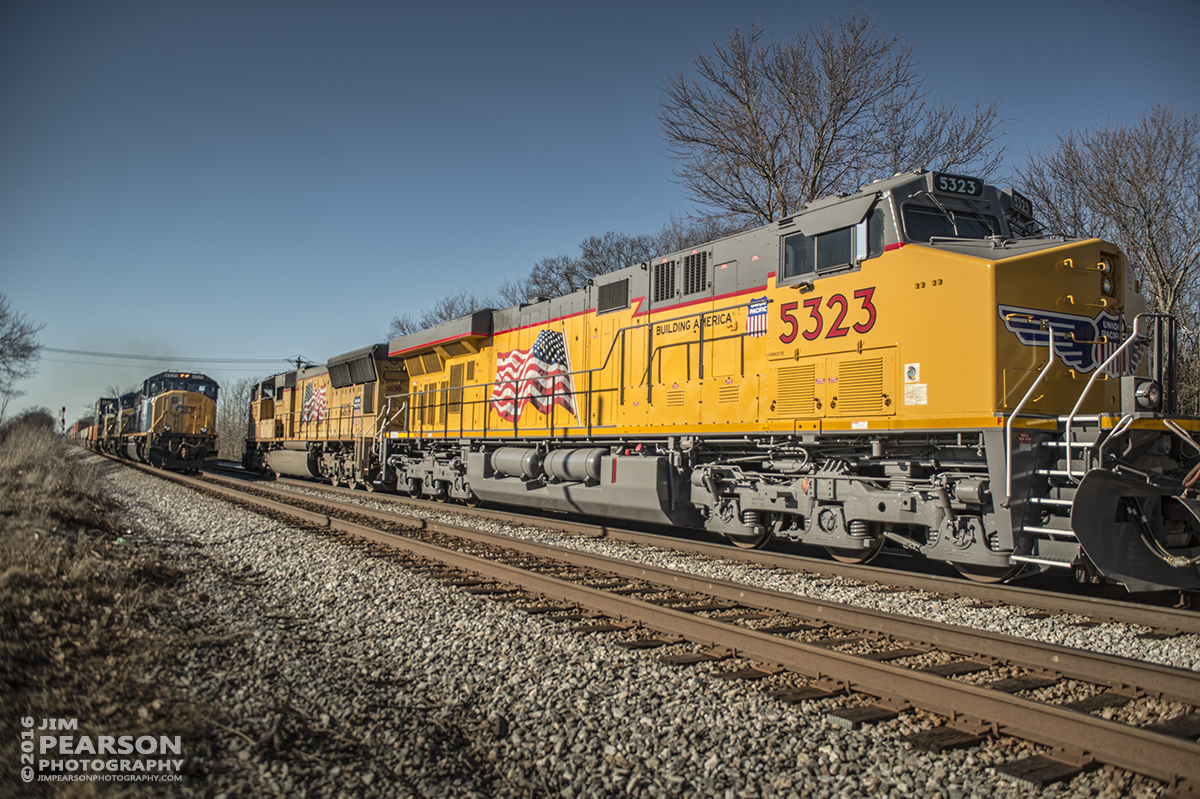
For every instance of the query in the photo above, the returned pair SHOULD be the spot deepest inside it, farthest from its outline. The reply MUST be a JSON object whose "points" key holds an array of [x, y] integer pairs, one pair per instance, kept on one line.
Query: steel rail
{"points": [[1150, 616], [1172, 683], [1153, 754]]}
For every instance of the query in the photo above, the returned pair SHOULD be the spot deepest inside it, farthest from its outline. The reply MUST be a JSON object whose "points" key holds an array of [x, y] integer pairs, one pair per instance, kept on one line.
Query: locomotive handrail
{"points": [[617, 338], [1013, 417], [1118, 429], [700, 339], [1096, 374]]}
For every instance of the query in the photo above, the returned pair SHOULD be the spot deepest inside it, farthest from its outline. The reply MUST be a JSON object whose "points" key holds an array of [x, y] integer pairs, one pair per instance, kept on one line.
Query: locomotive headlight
{"points": [[1149, 395], [1105, 266], [204, 431], [167, 428], [1106, 285]]}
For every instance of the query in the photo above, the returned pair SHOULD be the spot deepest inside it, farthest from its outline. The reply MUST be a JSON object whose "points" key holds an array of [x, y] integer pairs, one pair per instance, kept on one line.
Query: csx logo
{"points": [[179, 408]]}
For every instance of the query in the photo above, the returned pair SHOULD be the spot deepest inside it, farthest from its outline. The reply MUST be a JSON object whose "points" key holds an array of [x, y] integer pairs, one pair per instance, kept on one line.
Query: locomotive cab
{"points": [[103, 430]]}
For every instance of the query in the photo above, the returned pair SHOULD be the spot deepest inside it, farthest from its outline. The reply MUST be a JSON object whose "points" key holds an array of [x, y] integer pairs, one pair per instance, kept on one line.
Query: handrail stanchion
{"points": [[1013, 417]]}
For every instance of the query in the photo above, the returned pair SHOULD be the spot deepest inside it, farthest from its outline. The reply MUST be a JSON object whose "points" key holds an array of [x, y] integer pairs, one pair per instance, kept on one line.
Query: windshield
{"points": [[922, 223]]}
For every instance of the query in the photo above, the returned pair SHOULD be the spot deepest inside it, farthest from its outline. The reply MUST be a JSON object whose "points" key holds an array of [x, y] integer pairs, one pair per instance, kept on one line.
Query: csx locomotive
{"points": [[907, 365], [170, 423]]}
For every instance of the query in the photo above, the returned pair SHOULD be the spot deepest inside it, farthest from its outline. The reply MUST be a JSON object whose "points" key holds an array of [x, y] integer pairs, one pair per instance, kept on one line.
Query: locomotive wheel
{"points": [[750, 541], [986, 574], [866, 555]]}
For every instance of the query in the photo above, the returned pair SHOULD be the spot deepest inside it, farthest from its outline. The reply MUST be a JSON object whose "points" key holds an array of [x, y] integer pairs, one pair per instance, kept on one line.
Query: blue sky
{"points": [[259, 180]]}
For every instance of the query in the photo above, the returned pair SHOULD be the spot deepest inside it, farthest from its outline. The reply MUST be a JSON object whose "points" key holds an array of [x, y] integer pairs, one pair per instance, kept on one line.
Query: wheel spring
{"points": [[752, 518]]}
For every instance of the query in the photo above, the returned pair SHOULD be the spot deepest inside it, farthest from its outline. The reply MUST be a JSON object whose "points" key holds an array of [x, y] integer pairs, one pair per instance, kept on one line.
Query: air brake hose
{"points": [[1151, 543], [1192, 478]]}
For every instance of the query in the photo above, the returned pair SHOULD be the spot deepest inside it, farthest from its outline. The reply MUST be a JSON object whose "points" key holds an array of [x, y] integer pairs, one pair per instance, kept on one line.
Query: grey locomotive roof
{"points": [[375, 351], [752, 254], [477, 324]]}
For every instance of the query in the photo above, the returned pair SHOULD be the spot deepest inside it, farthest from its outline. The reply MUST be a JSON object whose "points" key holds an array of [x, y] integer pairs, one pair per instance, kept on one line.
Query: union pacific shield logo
{"points": [[1082, 343]]}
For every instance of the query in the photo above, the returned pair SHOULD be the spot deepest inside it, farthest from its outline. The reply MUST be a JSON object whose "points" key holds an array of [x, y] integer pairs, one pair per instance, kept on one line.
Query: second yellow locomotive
{"points": [[903, 365]]}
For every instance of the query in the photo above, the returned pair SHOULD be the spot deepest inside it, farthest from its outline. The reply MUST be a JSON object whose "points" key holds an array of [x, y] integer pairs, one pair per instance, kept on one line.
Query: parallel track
{"points": [[1161, 620], [974, 710]]}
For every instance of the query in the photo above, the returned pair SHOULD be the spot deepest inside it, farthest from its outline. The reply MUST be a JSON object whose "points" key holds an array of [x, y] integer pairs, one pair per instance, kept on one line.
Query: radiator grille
{"points": [[795, 388], [454, 400], [860, 386], [664, 281], [695, 273], [728, 394], [613, 296]]}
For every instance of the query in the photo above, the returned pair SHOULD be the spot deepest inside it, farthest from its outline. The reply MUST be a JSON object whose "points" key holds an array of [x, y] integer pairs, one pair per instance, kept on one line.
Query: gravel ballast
{"points": [[324, 670]]}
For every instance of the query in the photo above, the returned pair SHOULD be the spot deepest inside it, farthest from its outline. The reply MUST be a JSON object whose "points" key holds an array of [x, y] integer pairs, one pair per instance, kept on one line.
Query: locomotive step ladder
{"points": [[1051, 541], [1062, 463]]}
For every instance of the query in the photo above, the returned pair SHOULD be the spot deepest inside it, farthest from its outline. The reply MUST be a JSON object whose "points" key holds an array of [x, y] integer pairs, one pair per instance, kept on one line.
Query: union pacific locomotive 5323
{"points": [[170, 423], [904, 365]]}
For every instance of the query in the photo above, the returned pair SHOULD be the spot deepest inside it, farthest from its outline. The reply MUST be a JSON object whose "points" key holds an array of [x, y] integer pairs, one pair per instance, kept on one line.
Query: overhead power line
{"points": [[141, 367], [163, 357]]}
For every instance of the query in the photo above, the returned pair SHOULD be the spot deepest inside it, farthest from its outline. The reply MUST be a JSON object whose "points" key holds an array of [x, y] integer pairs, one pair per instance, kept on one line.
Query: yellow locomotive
{"points": [[903, 365], [102, 434], [170, 423]]}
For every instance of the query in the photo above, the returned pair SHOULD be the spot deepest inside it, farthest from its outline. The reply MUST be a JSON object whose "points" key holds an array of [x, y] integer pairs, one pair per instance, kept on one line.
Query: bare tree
{"points": [[19, 352], [1137, 186], [7, 395], [451, 306], [562, 274], [516, 291], [402, 325], [765, 127], [612, 251], [233, 412], [682, 233], [555, 276]]}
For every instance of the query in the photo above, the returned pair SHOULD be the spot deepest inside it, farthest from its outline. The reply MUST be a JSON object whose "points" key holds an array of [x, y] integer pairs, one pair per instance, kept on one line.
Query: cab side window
{"points": [[799, 255], [834, 249], [875, 233]]}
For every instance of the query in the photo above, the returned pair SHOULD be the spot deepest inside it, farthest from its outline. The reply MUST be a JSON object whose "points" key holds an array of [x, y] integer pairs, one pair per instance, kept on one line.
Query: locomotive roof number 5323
{"points": [[944, 183]]}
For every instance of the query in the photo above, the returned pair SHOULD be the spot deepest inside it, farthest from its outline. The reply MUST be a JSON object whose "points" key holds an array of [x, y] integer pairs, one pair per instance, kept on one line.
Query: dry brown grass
{"points": [[76, 603]]}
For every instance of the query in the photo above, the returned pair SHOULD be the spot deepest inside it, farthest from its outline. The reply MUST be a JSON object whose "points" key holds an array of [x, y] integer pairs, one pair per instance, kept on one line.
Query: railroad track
{"points": [[1160, 620], [880, 664]]}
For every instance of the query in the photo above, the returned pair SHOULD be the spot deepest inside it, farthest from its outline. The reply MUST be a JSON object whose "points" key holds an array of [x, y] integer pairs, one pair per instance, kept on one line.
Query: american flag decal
{"points": [[534, 376], [314, 404], [756, 319]]}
